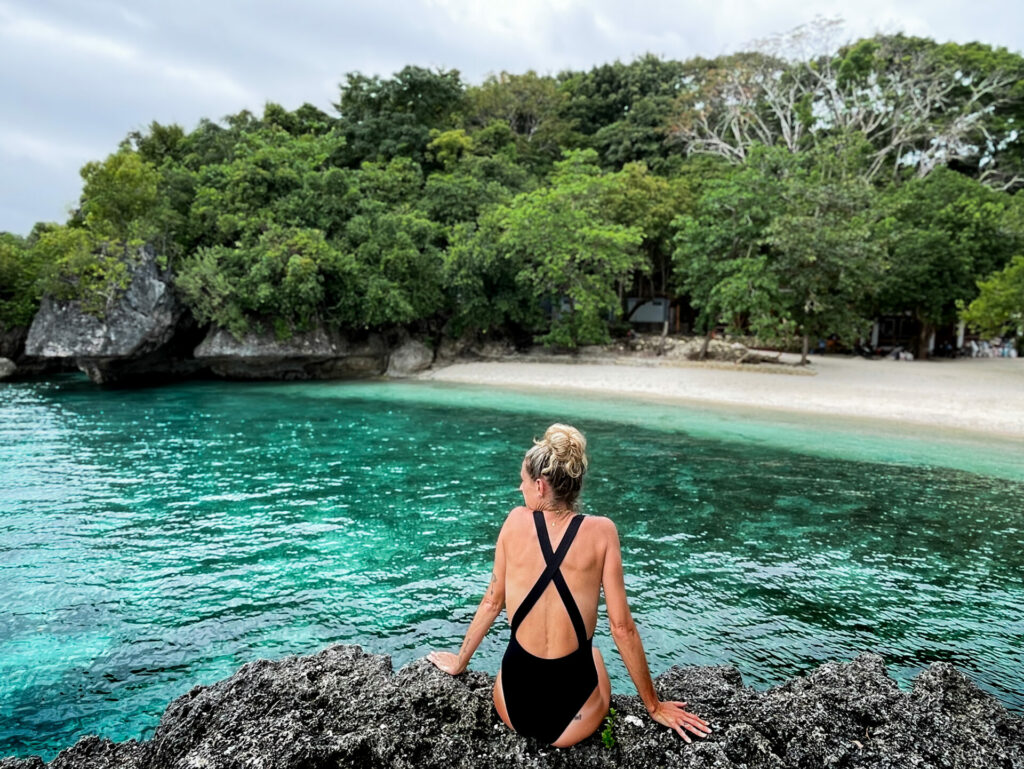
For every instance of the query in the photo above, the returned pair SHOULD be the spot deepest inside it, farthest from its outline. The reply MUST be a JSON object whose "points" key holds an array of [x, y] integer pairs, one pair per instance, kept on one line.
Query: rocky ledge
{"points": [[345, 708], [145, 333]]}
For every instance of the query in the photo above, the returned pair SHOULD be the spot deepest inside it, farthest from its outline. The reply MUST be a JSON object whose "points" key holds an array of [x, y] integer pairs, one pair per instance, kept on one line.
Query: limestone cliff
{"points": [[145, 333]]}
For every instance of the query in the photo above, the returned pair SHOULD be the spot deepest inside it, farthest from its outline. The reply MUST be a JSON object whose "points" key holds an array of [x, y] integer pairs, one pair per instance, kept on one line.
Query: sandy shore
{"points": [[983, 395]]}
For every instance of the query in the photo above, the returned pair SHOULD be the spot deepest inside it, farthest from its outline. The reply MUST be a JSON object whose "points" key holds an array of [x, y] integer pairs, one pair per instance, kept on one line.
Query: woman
{"points": [[552, 684]]}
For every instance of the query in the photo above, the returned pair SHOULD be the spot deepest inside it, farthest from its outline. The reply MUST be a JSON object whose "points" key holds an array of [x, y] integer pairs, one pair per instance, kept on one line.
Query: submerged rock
{"points": [[345, 708], [320, 353], [143, 334]]}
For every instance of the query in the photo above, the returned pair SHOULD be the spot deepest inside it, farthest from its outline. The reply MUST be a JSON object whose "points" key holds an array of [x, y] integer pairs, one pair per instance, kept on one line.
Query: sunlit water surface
{"points": [[156, 539]]}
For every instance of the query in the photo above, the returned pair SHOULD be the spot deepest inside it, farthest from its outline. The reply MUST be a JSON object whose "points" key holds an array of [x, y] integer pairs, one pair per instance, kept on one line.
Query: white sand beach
{"points": [[982, 395]]}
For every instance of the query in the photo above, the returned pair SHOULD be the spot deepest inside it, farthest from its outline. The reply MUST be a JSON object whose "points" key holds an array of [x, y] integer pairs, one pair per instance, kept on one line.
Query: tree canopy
{"points": [[792, 191]]}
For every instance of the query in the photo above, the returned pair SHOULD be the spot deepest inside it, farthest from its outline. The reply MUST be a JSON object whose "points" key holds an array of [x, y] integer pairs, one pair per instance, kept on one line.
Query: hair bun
{"points": [[568, 449], [561, 457]]}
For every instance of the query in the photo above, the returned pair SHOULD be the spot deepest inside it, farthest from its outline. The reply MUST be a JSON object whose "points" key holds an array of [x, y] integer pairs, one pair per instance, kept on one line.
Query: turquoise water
{"points": [[156, 539]]}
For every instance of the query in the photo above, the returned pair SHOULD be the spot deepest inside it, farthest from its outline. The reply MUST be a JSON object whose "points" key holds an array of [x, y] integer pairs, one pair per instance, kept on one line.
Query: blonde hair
{"points": [[560, 456]]}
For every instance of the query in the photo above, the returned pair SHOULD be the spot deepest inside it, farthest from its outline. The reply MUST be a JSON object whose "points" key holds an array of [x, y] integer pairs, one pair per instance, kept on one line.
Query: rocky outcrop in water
{"points": [[12, 347], [7, 368], [345, 708], [145, 333], [320, 353]]}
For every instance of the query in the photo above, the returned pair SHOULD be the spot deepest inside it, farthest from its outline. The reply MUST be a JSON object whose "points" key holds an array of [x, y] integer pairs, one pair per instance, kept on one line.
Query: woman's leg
{"points": [[594, 710], [499, 702]]}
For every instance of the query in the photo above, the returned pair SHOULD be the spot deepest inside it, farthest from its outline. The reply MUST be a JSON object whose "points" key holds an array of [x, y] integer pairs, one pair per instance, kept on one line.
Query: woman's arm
{"points": [[488, 610], [627, 639]]}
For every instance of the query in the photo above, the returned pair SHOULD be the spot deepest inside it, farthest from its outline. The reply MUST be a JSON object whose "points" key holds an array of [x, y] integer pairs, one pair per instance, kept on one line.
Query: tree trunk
{"points": [[922, 342], [661, 342], [803, 352], [707, 341]]}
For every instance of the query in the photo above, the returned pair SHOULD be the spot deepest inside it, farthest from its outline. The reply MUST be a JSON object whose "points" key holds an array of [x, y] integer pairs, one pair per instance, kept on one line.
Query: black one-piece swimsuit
{"points": [[542, 695]]}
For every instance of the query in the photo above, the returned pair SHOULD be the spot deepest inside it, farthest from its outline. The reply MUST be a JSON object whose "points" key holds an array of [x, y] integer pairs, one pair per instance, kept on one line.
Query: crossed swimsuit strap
{"points": [[552, 573]]}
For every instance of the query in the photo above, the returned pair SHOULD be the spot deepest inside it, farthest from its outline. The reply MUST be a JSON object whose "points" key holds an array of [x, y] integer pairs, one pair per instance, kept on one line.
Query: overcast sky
{"points": [[78, 75]]}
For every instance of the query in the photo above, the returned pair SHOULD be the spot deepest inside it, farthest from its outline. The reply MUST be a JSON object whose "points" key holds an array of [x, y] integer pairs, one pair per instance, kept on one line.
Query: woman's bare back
{"points": [[547, 630]]}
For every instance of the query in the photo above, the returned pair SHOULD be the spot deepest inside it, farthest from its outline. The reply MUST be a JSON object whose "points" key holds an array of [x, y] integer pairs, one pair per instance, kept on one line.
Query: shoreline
{"points": [[980, 396]]}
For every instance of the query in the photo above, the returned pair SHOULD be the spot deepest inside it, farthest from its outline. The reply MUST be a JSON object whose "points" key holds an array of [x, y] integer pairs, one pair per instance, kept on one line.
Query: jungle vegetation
{"points": [[769, 192]]}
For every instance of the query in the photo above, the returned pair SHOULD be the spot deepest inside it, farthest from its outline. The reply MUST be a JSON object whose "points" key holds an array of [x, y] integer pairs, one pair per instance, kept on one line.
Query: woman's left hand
{"points": [[447, 661]]}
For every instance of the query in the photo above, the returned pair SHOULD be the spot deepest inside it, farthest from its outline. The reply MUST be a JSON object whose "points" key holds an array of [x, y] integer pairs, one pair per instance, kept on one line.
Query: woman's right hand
{"points": [[447, 662], [672, 715]]}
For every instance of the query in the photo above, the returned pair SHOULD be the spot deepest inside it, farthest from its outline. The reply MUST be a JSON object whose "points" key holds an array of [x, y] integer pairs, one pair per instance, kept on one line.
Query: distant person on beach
{"points": [[550, 565]]}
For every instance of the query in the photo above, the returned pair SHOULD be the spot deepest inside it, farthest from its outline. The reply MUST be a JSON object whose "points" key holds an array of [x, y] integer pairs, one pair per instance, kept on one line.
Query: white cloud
{"points": [[208, 81], [21, 28], [211, 82], [53, 153], [78, 75]]}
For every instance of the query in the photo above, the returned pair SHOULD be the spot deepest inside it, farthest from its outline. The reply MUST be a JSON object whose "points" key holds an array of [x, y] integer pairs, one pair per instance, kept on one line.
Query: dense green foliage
{"points": [[999, 307], [782, 246], [943, 233], [762, 191], [19, 281]]}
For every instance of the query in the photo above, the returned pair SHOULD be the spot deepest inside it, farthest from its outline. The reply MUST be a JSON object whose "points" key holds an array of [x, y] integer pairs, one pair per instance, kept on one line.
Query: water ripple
{"points": [[156, 539]]}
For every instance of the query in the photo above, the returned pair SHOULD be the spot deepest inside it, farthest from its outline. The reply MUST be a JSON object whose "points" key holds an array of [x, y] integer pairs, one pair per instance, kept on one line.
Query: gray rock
{"points": [[7, 368], [490, 350], [136, 337], [409, 358], [451, 348], [12, 346], [345, 708], [12, 342], [316, 354]]}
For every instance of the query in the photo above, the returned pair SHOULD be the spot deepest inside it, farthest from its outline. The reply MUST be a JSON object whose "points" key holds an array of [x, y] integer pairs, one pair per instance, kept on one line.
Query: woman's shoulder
{"points": [[518, 517], [599, 523], [599, 530]]}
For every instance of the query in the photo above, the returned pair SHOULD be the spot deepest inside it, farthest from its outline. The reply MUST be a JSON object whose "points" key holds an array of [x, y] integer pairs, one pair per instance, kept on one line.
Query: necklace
{"points": [[560, 517]]}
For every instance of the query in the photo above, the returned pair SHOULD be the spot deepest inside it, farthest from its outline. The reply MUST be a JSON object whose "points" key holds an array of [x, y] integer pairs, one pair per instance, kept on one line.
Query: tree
{"points": [[999, 306], [531, 106], [635, 197], [121, 198], [821, 248], [918, 106], [622, 109], [272, 177], [943, 234], [19, 281], [385, 119], [475, 176], [782, 247], [74, 264], [398, 267], [566, 250], [280, 281], [720, 258]]}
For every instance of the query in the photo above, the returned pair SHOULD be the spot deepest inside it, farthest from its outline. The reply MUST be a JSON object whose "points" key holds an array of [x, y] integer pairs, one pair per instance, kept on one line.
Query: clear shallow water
{"points": [[155, 539]]}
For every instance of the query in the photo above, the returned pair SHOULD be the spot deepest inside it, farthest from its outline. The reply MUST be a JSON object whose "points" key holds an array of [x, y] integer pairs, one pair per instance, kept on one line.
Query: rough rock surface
{"points": [[12, 347], [7, 367], [141, 335], [12, 342], [316, 354], [345, 708], [410, 357]]}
